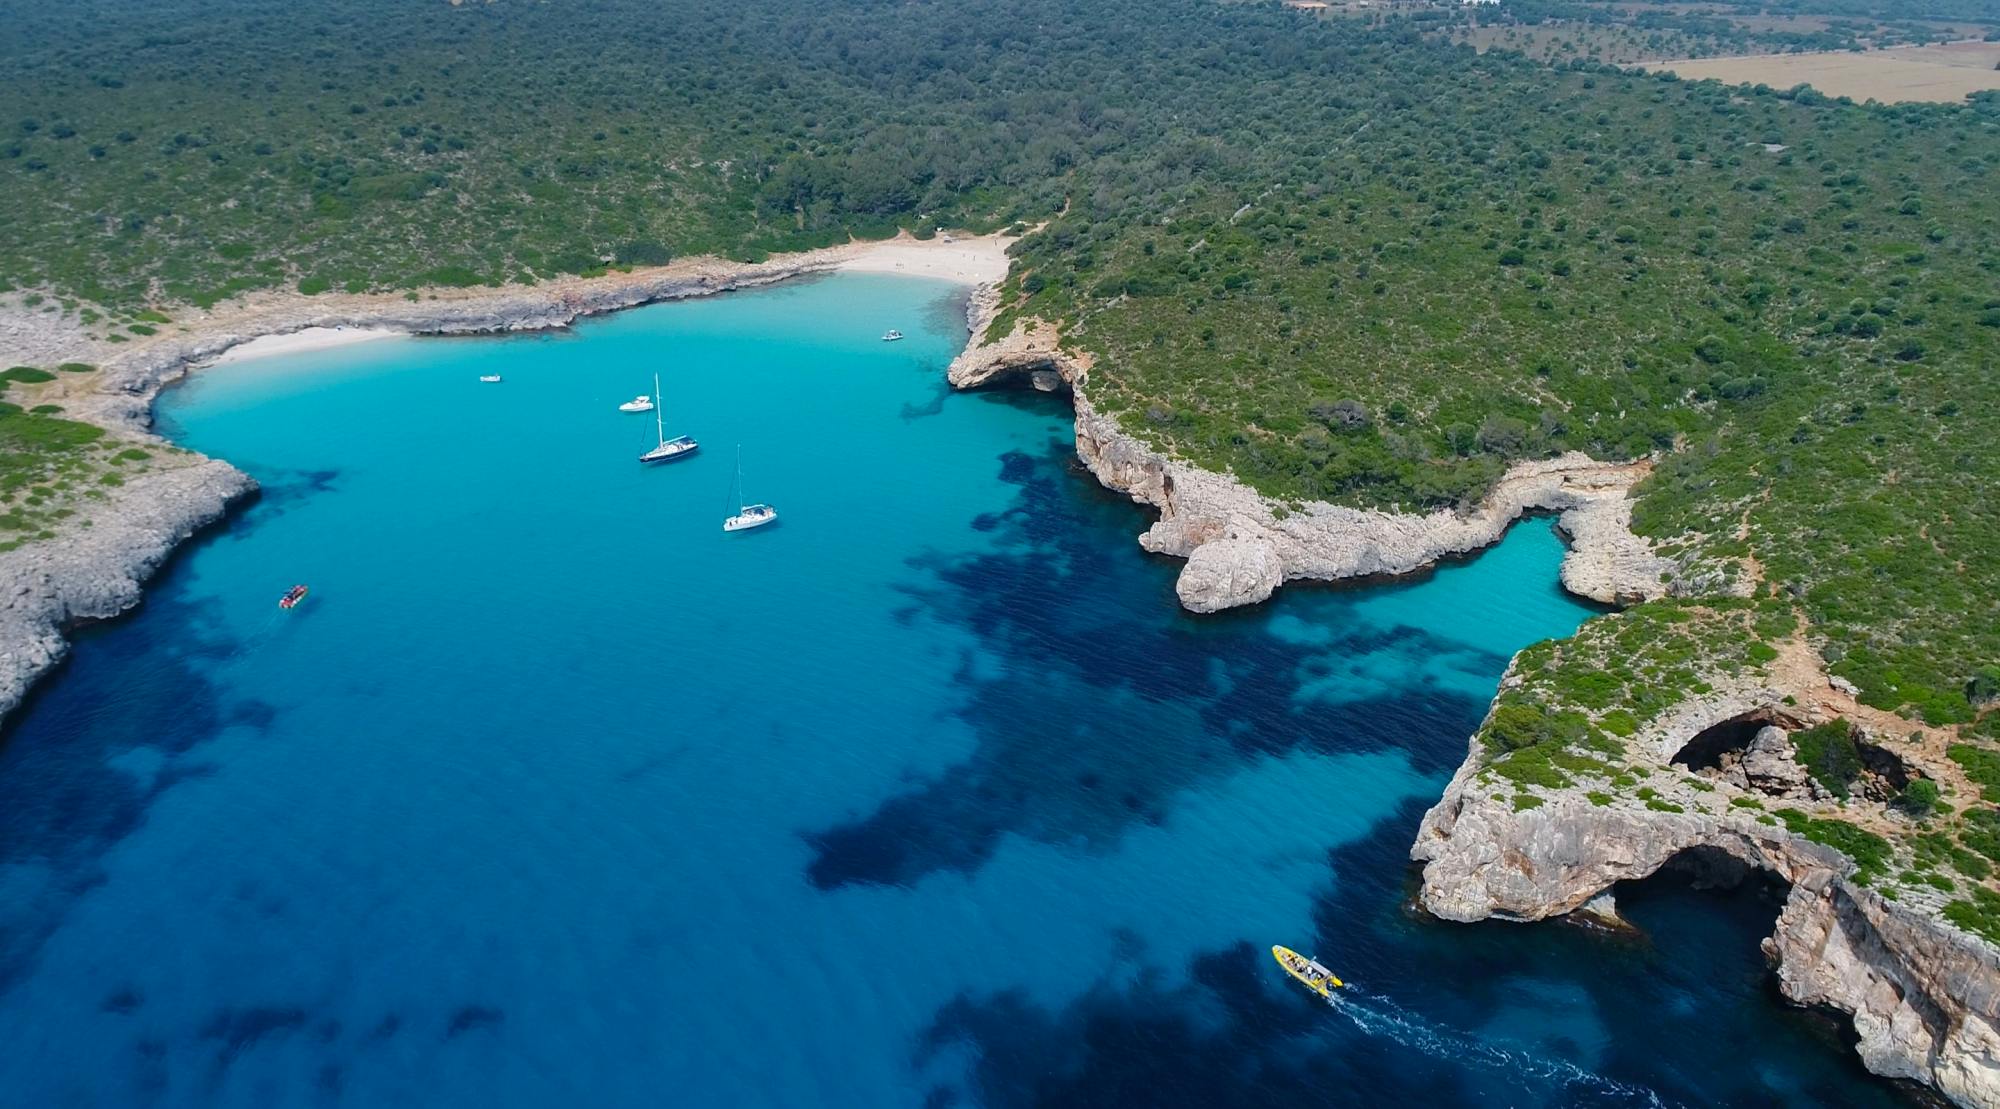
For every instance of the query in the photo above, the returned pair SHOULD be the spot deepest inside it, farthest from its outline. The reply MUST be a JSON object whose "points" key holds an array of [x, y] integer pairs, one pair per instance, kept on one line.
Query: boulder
{"points": [[1771, 765], [1237, 569]]}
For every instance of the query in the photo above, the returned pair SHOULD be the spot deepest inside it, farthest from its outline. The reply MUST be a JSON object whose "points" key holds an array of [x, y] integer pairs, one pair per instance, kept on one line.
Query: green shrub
{"points": [[1979, 915], [1981, 832], [1919, 798], [1829, 754], [1981, 765], [1870, 852], [26, 375]]}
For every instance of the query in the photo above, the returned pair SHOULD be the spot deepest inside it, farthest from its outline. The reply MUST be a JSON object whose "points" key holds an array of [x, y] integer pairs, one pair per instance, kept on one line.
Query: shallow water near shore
{"points": [[553, 793]]}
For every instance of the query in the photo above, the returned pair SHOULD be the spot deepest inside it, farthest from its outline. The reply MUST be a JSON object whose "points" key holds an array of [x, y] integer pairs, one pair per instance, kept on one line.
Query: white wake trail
{"points": [[1379, 1016]]}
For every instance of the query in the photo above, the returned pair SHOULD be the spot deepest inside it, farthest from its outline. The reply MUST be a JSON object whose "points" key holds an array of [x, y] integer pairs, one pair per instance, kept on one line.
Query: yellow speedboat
{"points": [[1317, 978]]}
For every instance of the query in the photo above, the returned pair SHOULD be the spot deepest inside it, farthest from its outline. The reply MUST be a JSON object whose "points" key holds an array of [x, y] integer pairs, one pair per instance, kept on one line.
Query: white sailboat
{"points": [[669, 450], [747, 515]]}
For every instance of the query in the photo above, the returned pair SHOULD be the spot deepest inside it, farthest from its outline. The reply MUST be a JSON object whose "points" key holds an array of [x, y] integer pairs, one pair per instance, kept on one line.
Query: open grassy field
{"points": [[1943, 74]]}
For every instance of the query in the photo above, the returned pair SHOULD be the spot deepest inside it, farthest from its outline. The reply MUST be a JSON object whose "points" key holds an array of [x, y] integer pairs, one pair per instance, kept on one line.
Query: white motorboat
{"points": [[640, 403], [891, 335], [490, 379], [747, 515]]}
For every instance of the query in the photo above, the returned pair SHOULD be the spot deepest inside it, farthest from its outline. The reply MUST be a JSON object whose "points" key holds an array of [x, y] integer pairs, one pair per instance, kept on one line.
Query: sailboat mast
{"points": [[659, 412]]}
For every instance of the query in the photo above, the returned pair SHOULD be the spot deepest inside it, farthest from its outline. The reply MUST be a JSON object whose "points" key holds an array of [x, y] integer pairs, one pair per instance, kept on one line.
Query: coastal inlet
{"points": [[553, 792]]}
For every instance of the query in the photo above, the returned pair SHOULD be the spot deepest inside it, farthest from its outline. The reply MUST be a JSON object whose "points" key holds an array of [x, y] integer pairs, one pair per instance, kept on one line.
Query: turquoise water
{"points": [[552, 793]]}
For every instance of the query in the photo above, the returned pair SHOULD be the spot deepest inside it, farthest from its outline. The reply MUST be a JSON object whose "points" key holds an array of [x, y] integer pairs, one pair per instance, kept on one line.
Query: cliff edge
{"points": [[1240, 546]]}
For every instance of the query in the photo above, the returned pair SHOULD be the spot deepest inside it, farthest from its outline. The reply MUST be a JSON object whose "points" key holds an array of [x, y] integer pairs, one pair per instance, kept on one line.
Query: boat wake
{"points": [[1379, 1016]]}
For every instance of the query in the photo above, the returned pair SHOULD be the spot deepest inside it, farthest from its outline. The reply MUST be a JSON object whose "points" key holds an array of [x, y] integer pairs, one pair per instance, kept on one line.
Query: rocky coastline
{"points": [[1240, 547], [129, 384], [1924, 996], [96, 566], [96, 569]]}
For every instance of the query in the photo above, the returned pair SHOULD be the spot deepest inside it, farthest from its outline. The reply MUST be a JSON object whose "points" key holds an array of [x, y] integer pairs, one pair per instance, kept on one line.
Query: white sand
{"points": [[970, 261], [311, 338]]}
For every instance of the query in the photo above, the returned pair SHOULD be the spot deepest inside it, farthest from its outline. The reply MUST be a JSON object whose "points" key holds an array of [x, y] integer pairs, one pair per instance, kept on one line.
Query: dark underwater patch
{"points": [[64, 800], [1223, 1039], [1107, 701], [1647, 990], [471, 1018], [240, 1029]]}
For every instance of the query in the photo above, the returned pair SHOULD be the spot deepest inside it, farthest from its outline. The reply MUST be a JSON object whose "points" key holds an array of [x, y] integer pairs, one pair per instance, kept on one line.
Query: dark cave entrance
{"points": [[1722, 743]]}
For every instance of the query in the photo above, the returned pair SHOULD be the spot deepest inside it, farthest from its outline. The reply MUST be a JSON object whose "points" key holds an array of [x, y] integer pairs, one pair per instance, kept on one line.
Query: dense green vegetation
{"points": [[1342, 261], [49, 467], [1628, 268]]}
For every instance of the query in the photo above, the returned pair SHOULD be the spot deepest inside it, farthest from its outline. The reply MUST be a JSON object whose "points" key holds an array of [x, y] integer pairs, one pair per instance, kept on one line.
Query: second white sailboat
{"points": [[747, 515]]}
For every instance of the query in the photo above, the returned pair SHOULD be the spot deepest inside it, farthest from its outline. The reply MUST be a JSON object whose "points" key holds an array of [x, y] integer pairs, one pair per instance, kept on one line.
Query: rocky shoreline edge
{"points": [[1240, 547], [1924, 996], [96, 567]]}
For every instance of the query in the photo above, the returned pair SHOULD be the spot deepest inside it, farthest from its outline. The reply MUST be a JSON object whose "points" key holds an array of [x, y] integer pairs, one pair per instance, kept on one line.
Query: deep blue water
{"points": [[554, 794]]}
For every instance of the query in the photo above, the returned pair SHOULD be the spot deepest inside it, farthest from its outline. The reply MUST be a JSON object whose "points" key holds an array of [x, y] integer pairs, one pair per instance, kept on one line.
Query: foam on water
{"points": [[1379, 1016]]}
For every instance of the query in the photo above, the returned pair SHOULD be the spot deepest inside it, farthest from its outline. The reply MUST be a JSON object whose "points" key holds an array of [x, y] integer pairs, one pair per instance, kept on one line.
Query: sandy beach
{"points": [[979, 260], [311, 338], [283, 321]]}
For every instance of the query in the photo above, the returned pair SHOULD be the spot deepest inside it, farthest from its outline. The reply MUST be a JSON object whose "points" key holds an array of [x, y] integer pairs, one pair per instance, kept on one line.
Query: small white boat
{"points": [[490, 379], [747, 515], [640, 403], [891, 335]]}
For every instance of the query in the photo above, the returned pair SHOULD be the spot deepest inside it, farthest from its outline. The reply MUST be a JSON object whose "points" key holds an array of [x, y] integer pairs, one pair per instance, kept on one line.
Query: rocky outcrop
{"points": [[1922, 993], [1925, 996], [96, 568], [1316, 540], [1234, 569], [1925, 999], [1771, 766]]}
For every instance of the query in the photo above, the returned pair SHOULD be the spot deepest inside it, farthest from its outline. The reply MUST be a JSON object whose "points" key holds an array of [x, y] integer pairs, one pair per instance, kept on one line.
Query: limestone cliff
{"points": [[1241, 546], [1924, 996], [104, 556]]}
